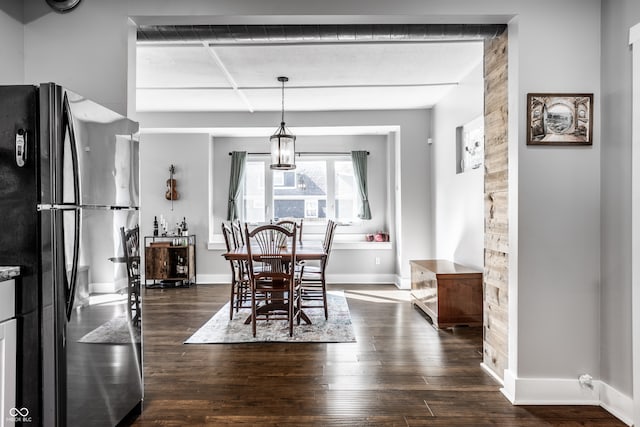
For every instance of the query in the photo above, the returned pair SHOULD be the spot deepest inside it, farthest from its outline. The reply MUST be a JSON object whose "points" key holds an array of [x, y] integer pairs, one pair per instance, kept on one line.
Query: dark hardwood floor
{"points": [[400, 372]]}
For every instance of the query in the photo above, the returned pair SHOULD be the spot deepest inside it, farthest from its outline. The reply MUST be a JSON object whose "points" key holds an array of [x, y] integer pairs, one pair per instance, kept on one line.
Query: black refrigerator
{"points": [[69, 179]]}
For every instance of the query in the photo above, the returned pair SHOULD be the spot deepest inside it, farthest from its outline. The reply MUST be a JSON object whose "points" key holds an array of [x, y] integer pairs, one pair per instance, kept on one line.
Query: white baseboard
{"points": [[353, 279], [490, 371], [106, 288], [213, 278], [556, 391], [618, 404], [403, 282]]}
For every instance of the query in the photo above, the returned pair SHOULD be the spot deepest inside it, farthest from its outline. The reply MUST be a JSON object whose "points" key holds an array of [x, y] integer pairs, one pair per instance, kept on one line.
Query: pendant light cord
{"points": [[282, 102]]}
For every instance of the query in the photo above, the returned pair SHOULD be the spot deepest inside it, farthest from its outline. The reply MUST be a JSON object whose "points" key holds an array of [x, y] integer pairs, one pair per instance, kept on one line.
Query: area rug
{"points": [[338, 328], [116, 331]]}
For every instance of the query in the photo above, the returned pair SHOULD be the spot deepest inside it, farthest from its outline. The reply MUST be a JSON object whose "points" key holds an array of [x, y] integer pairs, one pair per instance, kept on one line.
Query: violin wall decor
{"points": [[172, 193]]}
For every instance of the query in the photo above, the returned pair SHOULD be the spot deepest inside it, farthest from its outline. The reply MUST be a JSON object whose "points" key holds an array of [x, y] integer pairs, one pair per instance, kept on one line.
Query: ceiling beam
{"points": [[317, 33], [228, 76]]}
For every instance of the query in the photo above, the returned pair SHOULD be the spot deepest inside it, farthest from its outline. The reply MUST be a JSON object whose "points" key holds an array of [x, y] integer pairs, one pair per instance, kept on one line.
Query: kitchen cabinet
{"points": [[8, 341], [449, 293], [170, 261]]}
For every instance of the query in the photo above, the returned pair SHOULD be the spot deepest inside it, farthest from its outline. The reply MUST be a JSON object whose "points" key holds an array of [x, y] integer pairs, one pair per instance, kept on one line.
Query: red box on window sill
{"points": [[381, 237]]}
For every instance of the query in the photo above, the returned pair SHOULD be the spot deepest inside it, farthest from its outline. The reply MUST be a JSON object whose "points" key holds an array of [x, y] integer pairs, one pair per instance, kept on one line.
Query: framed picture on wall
{"points": [[470, 145], [559, 118]]}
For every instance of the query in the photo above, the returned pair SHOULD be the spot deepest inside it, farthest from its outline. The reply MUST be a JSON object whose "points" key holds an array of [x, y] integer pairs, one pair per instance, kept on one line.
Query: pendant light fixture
{"points": [[283, 143], [63, 6]]}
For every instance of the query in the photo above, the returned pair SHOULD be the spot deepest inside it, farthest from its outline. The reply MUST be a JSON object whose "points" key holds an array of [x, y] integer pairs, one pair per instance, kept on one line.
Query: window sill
{"points": [[340, 242], [339, 245]]}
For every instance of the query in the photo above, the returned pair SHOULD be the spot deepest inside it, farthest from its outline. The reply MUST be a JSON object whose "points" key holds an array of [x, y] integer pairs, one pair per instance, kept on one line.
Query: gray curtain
{"points": [[238, 163], [359, 160]]}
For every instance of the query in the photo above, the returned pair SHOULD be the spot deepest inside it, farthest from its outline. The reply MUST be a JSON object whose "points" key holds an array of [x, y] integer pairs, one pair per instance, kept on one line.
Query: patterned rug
{"points": [[116, 331], [338, 328]]}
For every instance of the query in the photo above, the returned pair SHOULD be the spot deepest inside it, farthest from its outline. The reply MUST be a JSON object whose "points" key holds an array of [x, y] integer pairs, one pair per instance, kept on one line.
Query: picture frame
{"points": [[470, 145], [560, 119]]}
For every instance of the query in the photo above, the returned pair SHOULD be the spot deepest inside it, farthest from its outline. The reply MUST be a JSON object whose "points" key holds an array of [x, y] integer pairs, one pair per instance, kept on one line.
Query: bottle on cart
{"points": [[185, 228], [155, 225], [181, 268], [163, 225]]}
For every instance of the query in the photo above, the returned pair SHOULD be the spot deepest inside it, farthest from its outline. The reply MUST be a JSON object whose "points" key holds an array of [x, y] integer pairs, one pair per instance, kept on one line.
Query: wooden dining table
{"points": [[305, 251]]}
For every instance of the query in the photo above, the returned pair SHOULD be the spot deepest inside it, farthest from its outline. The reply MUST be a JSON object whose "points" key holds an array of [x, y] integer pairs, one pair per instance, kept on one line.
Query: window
{"points": [[316, 190], [346, 199], [254, 191], [301, 193]]}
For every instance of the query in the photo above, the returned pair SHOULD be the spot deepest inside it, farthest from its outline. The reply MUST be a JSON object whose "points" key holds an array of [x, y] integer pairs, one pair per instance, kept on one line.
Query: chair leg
{"points": [[291, 298], [253, 312], [324, 299], [231, 300], [238, 294], [299, 305]]}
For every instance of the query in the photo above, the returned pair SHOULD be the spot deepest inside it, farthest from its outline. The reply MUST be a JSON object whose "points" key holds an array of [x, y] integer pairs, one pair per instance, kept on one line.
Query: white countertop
{"points": [[9, 272]]}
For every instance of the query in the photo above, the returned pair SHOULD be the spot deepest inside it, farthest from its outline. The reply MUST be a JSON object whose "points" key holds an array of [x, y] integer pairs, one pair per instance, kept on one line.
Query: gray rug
{"points": [[116, 331], [338, 328]]}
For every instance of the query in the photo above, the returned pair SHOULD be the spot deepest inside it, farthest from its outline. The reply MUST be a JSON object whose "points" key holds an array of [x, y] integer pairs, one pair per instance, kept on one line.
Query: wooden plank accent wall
{"points": [[496, 223]]}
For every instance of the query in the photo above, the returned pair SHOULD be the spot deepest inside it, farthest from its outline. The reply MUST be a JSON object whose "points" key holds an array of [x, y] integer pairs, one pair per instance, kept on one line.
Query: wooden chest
{"points": [[449, 293]]}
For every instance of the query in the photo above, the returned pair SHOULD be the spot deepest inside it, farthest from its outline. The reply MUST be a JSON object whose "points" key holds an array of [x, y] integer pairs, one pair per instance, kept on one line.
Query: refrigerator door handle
{"points": [[70, 284], [67, 126]]}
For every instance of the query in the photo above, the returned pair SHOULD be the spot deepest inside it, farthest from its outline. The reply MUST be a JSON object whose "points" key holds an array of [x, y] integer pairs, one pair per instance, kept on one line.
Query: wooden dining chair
{"points": [[313, 281], [238, 233], [131, 251], [275, 285], [240, 296], [290, 223]]}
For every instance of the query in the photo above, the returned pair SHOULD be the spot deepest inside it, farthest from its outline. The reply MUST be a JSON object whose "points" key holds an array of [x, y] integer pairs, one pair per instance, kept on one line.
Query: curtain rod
{"points": [[317, 153]]}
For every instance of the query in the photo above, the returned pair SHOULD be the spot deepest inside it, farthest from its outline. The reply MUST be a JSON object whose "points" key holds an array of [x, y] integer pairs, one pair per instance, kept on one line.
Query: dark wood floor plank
{"points": [[401, 372]]}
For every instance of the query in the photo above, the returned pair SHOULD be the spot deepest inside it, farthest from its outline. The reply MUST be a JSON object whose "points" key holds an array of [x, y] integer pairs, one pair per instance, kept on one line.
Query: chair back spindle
{"points": [[238, 235], [289, 224]]}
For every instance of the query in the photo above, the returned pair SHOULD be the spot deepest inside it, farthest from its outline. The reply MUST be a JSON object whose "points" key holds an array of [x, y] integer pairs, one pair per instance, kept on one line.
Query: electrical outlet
{"points": [[377, 260], [586, 381]]}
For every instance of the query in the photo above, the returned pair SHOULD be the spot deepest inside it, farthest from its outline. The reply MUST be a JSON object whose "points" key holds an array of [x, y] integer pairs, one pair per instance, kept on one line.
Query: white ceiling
{"points": [[322, 76]]}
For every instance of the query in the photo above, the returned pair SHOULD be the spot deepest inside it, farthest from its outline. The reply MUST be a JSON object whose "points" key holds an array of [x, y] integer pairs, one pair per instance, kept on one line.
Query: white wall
{"points": [[557, 314], [458, 197], [11, 42], [189, 154], [559, 202], [618, 17], [84, 50]]}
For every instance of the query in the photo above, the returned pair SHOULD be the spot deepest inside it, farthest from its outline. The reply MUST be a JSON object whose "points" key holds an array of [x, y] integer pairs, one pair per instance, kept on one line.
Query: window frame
{"points": [[311, 224]]}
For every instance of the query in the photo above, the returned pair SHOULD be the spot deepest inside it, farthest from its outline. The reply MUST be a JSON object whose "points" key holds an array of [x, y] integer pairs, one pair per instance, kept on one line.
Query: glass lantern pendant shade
{"points": [[283, 149], [283, 143]]}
